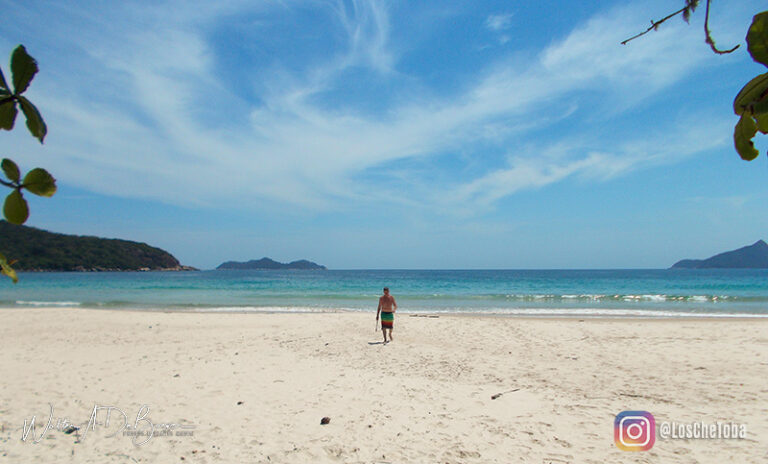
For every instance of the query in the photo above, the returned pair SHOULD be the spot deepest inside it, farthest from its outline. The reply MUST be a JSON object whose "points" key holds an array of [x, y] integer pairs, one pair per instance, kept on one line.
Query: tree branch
{"points": [[686, 10], [709, 39], [655, 25]]}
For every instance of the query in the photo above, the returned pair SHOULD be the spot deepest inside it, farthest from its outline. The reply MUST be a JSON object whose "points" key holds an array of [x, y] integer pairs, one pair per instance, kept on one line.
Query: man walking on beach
{"points": [[387, 308]]}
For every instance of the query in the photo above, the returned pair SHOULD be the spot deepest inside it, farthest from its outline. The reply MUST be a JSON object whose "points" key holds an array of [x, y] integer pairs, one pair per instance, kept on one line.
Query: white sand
{"points": [[425, 398]]}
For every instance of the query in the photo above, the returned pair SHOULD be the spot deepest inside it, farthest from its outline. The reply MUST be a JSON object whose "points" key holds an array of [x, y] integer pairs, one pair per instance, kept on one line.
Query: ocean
{"points": [[579, 293]]}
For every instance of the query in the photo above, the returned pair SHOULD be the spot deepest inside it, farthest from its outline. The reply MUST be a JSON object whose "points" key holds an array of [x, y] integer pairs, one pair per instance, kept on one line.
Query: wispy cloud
{"points": [[168, 126], [498, 22], [575, 159], [367, 26]]}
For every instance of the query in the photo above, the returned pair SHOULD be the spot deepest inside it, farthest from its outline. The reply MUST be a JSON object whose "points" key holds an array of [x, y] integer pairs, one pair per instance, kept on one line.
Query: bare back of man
{"points": [[387, 302]]}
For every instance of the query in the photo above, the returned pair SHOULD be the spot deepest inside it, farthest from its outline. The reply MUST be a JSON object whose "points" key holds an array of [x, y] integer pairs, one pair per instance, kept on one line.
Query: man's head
{"points": [[386, 290]]}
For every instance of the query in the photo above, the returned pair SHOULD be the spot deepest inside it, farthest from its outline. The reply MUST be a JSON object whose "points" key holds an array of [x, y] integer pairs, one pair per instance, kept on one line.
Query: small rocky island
{"points": [[269, 264], [39, 250], [754, 256]]}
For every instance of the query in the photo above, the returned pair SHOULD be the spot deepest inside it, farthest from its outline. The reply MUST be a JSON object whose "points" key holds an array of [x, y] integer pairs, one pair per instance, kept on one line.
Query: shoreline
{"points": [[528, 313]]}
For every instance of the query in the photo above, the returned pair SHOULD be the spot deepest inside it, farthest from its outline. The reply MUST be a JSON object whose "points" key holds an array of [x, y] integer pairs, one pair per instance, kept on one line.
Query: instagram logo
{"points": [[634, 430]]}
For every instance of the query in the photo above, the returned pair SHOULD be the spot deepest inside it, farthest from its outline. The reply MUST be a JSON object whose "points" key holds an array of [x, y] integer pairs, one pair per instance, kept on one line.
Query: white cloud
{"points": [[156, 138], [367, 25], [556, 162], [498, 22]]}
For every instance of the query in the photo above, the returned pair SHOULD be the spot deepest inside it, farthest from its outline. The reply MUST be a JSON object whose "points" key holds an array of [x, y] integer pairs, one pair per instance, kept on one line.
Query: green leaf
{"points": [[40, 182], [15, 209], [8, 113], [750, 93], [11, 170], [35, 122], [23, 68], [757, 38], [3, 84], [760, 106], [762, 123], [6, 269], [742, 137]]}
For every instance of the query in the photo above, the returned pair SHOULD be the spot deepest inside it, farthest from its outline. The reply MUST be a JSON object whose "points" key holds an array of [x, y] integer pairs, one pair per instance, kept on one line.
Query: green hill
{"points": [[270, 264], [754, 256], [39, 250]]}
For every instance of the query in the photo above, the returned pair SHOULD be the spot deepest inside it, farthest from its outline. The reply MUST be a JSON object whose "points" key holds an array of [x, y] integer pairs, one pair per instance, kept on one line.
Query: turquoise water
{"points": [[545, 292]]}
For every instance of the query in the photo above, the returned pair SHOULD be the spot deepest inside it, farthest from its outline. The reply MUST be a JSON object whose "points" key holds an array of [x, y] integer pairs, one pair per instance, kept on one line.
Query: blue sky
{"points": [[367, 134]]}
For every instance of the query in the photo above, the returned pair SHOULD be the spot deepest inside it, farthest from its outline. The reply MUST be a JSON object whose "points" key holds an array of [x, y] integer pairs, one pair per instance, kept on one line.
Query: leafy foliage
{"points": [[6, 269], [37, 181], [11, 170], [40, 250], [751, 103], [7, 116], [690, 7], [35, 122], [23, 70], [746, 128], [757, 39], [15, 208]]}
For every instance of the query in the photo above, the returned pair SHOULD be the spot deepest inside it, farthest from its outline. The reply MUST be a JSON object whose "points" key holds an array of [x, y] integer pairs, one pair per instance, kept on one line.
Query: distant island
{"points": [[39, 250], [754, 256], [269, 264]]}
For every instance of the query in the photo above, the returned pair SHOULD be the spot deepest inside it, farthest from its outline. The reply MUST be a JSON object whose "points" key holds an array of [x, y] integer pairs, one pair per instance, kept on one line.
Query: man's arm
{"points": [[378, 310], [394, 304]]}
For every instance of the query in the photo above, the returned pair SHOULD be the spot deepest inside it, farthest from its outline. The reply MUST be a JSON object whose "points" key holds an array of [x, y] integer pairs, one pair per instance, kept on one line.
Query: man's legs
{"points": [[386, 324]]}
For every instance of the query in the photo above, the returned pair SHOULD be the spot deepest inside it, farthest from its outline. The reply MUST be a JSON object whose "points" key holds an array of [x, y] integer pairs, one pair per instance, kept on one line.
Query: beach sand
{"points": [[254, 387]]}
